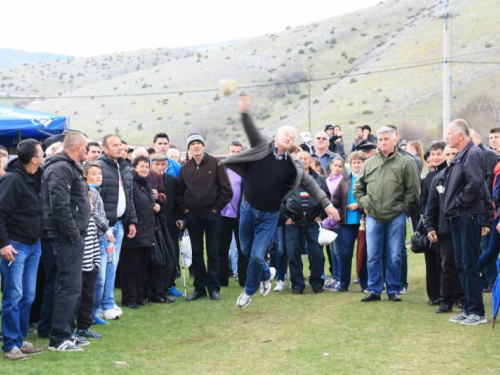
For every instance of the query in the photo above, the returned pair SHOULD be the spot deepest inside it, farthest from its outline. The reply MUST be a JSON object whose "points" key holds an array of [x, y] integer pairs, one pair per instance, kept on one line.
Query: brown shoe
{"points": [[28, 348], [15, 354]]}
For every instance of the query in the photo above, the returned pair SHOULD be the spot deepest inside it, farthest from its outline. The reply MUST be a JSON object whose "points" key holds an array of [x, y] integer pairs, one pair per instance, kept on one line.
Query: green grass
{"points": [[283, 333]]}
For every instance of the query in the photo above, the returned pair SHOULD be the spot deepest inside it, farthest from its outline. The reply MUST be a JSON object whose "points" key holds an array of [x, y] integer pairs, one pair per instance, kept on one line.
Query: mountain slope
{"points": [[377, 66]]}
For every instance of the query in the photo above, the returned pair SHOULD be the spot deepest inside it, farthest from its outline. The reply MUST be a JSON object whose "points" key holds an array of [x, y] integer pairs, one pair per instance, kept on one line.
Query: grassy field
{"points": [[282, 334]]}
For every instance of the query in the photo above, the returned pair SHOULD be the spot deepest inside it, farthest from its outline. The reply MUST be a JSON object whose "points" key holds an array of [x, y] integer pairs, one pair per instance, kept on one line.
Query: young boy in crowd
{"points": [[91, 258]]}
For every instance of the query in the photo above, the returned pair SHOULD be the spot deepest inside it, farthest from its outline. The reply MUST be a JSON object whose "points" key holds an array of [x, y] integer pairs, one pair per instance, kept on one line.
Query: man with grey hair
{"points": [[271, 175], [463, 206], [387, 189]]}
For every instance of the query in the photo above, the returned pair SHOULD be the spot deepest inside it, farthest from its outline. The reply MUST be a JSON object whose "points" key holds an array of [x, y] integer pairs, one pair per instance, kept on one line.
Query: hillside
{"points": [[12, 57], [362, 67]]}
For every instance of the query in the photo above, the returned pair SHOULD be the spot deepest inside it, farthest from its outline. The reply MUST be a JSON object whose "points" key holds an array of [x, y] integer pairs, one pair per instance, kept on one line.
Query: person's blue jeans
{"points": [[105, 286], [49, 264], [403, 282], [392, 234], [347, 237], [257, 228], [233, 255], [466, 234], [296, 235], [19, 292], [281, 252], [335, 251]]}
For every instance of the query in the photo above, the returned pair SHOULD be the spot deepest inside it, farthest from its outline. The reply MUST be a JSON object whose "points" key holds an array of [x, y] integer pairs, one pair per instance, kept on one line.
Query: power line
{"points": [[271, 84]]}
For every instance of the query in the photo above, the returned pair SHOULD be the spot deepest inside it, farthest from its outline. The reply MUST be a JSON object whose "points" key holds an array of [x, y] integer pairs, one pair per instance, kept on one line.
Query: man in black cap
{"points": [[203, 191], [368, 148]]}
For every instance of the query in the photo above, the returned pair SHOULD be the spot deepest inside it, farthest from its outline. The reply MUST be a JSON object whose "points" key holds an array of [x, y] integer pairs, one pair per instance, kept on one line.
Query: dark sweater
{"points": [[267, 182]]}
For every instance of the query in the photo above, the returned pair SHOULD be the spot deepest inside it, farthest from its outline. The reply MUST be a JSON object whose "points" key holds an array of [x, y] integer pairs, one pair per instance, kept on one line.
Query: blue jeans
{"points": [[18, 293], [347, 238], [392, 234], [257, 228], [281, 252], [335, 251], [233, 255], [466, 234], [105, 286], [295, 237]]}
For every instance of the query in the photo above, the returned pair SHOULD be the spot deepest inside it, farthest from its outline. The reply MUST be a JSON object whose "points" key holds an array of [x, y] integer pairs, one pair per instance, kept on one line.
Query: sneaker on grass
{"points": [[65, 346], [87, 333], [174, 292], [474, 320], [15, 354], [459, 318], [280, 286], [28, 348], [265, 286], [79, 340], [99, 320], [243, 300]]}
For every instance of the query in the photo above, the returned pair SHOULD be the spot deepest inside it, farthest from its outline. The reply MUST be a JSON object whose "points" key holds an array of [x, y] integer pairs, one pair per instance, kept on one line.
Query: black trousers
{"points": [[228, 227], [433, 273], [68, 286], [85, 309], [134, 261], [203, 229], [451, 291]]}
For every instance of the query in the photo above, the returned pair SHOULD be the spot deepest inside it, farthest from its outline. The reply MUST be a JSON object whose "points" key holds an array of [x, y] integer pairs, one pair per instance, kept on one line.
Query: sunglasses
{"points": [[319, 138]]}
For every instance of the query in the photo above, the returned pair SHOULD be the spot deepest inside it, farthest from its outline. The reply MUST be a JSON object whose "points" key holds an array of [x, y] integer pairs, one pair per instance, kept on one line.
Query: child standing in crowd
{"points": [[350, 218], [91, 257], [333, 180]]}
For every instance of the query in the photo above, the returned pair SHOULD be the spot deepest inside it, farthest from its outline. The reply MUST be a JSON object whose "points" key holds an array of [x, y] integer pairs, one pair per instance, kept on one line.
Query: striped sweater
{"points": [[92, 254]]}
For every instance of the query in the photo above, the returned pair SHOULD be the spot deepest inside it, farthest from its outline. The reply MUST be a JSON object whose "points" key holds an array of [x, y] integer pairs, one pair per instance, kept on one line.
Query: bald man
{"points": [[67, 215]]}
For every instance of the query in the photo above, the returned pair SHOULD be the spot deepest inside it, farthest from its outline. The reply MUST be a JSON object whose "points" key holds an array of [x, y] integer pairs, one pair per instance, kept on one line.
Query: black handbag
{"points": [[419, 241]]}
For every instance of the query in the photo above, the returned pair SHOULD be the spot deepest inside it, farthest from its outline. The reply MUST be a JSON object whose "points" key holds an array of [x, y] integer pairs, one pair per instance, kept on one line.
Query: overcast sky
{"points": [[95, 27]]}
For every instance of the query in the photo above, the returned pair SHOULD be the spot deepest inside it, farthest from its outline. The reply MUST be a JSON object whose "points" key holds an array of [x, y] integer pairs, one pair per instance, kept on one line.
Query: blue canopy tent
{"points": [[17, 124]]}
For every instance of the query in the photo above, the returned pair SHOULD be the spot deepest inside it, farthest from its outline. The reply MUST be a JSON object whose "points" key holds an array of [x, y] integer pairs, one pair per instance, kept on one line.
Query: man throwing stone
{"points": [[271, 175]]}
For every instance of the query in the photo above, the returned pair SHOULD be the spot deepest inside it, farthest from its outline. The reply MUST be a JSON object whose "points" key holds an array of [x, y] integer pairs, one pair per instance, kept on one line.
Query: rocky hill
{"points": [[376, 66]]}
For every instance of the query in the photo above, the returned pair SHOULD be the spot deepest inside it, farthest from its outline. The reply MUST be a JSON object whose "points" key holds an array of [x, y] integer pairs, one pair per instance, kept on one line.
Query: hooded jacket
{"points": [[21, 205], [260, 148], [110, 189], [66, 199]]}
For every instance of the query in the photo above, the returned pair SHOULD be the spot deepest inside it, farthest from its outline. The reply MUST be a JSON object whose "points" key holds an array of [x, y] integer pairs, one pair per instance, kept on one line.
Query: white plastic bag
{"points": [[326, 237], [186, 251]]}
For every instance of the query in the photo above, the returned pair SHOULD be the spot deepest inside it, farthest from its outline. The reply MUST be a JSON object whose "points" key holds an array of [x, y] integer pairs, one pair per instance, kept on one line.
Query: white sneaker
{"points": [[243, 300], [474, 320], [265, 286], [280, 286], [66, 346], [110, 314], [117, 308]]}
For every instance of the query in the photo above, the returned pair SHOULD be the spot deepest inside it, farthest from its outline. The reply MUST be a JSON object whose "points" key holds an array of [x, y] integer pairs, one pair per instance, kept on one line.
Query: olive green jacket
{"points": [[387, 187]]}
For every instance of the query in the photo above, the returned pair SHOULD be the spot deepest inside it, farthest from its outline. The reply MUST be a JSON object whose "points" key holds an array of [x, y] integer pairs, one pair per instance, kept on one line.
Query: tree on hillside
{"points": [[481, 113]]}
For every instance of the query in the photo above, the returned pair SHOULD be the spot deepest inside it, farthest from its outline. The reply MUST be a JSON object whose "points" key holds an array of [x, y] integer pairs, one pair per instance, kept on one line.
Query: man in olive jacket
{"points": [[387, 189]]}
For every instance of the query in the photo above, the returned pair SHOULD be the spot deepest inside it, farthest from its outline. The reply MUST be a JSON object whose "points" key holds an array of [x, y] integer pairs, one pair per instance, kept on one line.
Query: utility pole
{"points": [[447, 79], [309, 96]]}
